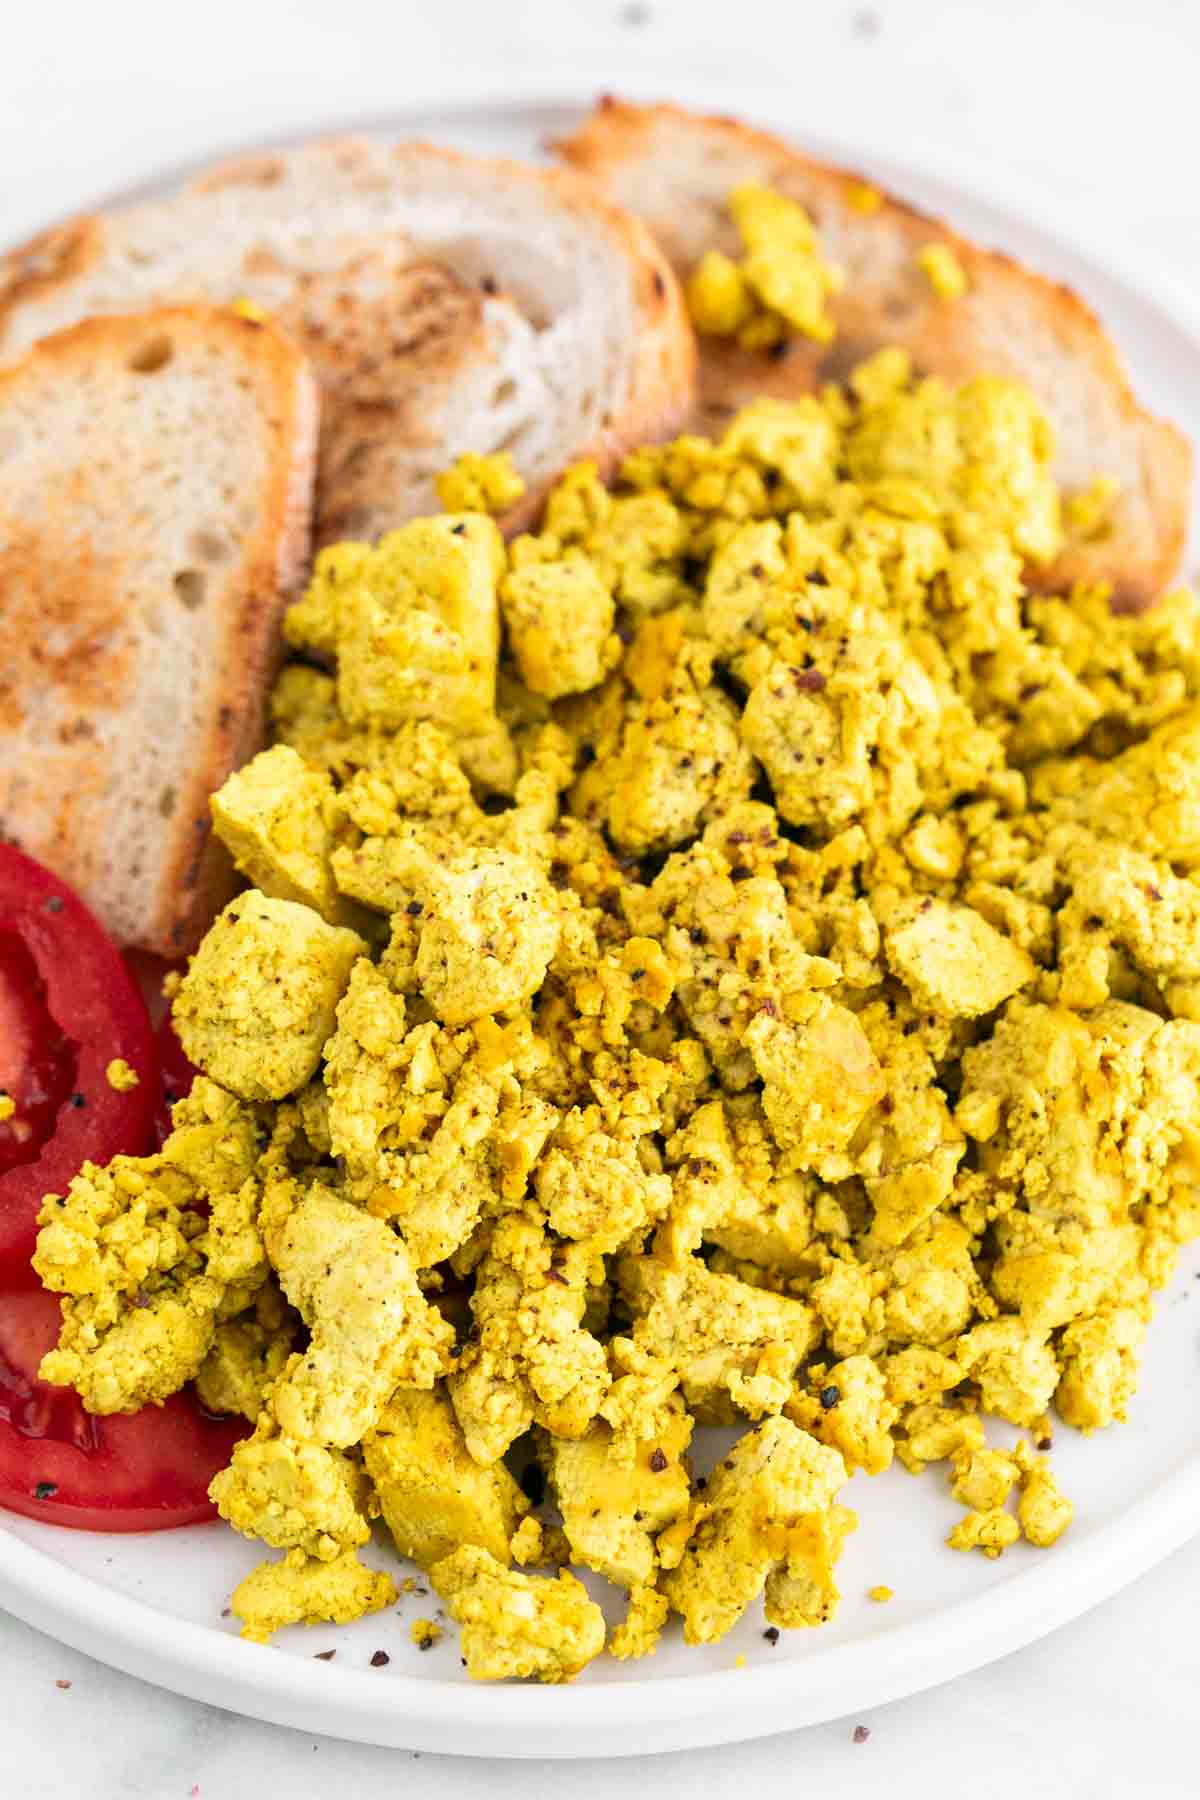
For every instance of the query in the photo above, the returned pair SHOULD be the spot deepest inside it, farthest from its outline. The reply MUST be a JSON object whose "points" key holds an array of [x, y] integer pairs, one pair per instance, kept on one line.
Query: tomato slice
{"points": [[71, 1006], [177, 1076], [37, 1060], [141, 1471]]}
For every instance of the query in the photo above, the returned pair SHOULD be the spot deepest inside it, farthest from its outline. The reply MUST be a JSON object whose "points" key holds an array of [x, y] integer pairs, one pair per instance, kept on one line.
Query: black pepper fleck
{"points": [[52, 904], [45, 1490], [658, 1461], [772, 1634], [861, 1733], [830, 1396], [380, 1660], [414, 908], [78, 1099], [325, 1656]]}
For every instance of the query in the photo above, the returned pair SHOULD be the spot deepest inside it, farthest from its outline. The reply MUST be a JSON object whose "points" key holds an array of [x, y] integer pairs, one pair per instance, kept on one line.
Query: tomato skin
{"points": [[144, 1471], [177, 1076], [92, 998], [37, 1060]]}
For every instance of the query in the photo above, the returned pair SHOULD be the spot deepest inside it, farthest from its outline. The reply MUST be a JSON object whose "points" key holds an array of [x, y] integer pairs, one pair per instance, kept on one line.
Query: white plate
{"points": [[152, 1605]]}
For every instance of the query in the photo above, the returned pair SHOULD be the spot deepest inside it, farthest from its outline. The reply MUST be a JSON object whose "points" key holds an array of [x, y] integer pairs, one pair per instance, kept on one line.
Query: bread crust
{"points": [[68, 828], [373, 396], [1011, 321]]}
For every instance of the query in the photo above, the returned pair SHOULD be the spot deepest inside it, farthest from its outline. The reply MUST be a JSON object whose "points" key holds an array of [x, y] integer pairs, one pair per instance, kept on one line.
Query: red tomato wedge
{"points": [[140, 1471], [68, 1007], [37, 1059], [177, 1076]]}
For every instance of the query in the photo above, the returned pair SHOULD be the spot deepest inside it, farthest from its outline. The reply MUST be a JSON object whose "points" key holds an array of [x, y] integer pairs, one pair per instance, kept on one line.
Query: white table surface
{"points": [[1097, 99]]}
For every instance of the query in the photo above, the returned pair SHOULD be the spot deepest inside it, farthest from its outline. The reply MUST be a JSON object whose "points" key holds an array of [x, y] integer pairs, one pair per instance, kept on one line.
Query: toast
{"points": [[676, 170], [447, 303], [155, 503]]}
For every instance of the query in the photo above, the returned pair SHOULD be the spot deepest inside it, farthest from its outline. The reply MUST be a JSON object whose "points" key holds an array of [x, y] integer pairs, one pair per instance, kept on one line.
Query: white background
{"points": [[1095, 102]]}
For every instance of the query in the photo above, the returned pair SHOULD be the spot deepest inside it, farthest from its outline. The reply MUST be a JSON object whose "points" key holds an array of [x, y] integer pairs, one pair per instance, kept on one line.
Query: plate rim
{"points": [[710, 1706]]}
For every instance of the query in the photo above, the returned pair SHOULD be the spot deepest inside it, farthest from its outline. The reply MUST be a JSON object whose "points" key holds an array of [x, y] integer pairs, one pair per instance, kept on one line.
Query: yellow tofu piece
{"points": [[143, 1274], [983, 1479], [277, 818], [1100, 1358], [756, 1516], [302, 1590], [736, 1348], [371, 1328], [943, 271], [935, 1433], [992, 1532], [413, 623], [1014, 1366], [803, 1592], [260, 995], [615, 1497], [489, 929], [639, 1632], [530, 1356], [820, 1077], [432, 1493], [952, 961], [518, 1625], [559, 618], [293, 1494], [486, 484], [1043, 1511], [246, 1357], [852, 1412]]}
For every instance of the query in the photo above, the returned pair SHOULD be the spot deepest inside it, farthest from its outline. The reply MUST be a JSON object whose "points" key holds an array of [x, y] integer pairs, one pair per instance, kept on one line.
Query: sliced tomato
{"points": [[177, 1075], [140, 1471], [69, 1008], [37, 1059]]}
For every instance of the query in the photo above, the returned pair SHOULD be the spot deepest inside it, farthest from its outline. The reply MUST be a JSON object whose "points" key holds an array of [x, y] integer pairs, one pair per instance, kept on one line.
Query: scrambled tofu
{"points": [[730, 956], [514, 1624], [259, 998], [766, 1518], [780, 283], [302, 1590], [432, 1493]]}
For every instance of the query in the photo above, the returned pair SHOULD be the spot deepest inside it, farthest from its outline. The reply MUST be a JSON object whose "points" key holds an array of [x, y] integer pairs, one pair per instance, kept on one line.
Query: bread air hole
{"points": [[209, 546], [152, 356], [189, 585]]}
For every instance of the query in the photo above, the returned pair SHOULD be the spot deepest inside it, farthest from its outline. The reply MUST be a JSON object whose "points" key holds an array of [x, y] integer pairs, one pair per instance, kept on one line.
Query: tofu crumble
{"points": [[730, 956]]}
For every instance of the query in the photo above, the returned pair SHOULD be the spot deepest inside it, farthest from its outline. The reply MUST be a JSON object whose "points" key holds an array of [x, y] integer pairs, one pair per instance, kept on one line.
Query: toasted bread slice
{"points": [[447, 303], [676, 169], [155, 496]]}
